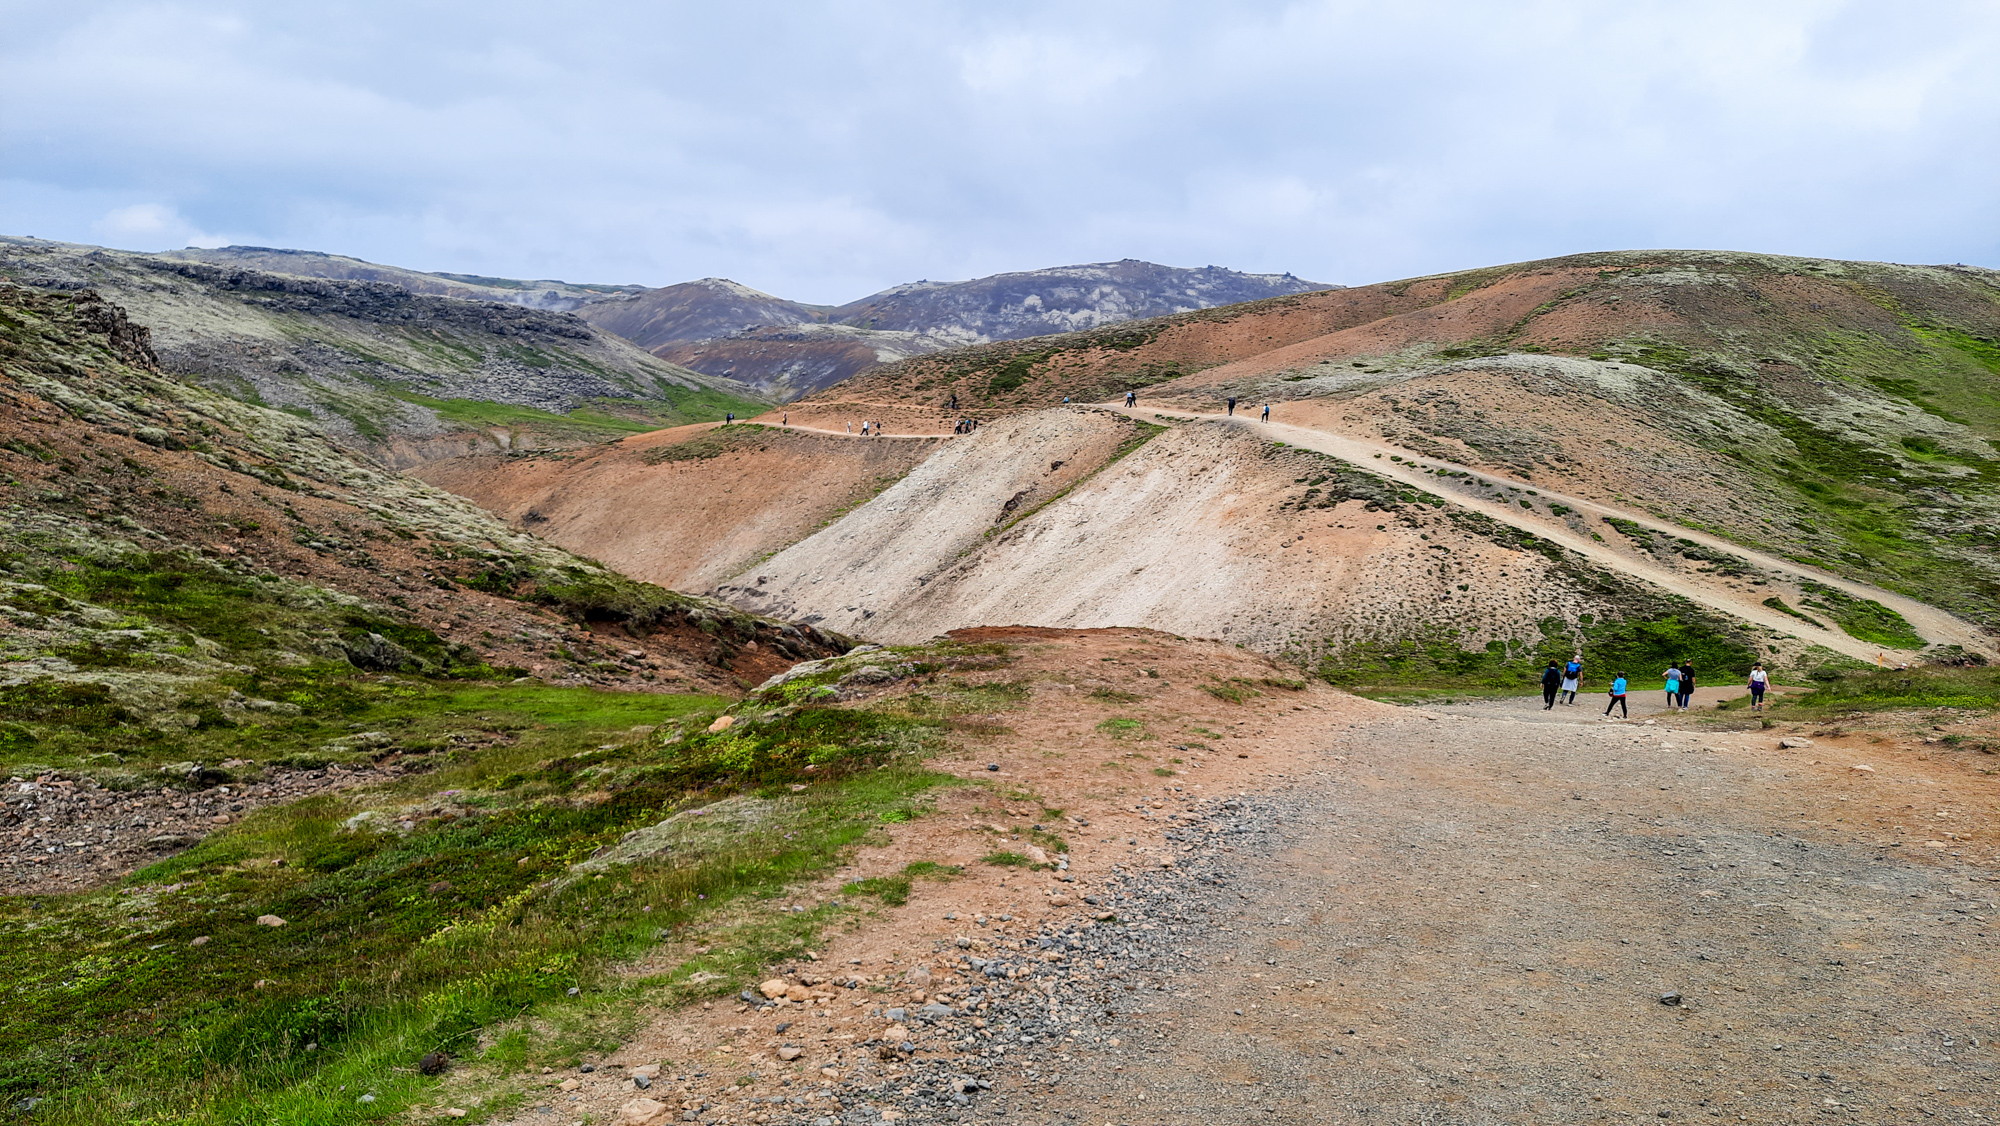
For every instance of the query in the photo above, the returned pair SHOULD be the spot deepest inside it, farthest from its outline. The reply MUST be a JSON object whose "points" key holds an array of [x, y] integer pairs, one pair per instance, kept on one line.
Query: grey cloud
{"points": [[823, 151]]}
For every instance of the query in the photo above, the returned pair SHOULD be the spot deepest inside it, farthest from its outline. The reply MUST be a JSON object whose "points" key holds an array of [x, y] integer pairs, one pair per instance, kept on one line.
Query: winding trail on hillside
{"points": [[1935, 625]]}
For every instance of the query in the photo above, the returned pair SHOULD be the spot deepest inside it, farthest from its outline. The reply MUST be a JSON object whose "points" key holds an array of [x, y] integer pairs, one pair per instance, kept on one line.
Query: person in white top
{"points": [[1759, 681]]}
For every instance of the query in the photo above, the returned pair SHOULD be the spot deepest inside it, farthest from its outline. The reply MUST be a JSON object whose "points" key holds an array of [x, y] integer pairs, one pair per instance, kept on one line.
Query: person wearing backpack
{"points": [[1551, 684], [1572, 676], [1618, 698]]}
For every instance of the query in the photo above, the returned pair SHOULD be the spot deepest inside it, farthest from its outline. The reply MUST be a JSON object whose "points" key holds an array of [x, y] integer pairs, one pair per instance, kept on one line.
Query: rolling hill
{"points": [[406, 376], [1649, 454]]}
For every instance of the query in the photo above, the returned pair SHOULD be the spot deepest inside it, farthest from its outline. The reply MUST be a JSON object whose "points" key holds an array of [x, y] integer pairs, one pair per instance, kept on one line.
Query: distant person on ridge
{"points": [[1572, 674], [1618, 697], [1759, 681], [1232, 406], [1267, 412], [1687, 683], [1551, 683]]}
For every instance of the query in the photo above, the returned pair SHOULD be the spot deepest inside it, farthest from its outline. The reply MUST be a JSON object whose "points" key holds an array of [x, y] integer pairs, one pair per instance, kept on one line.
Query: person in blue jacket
{"points": [[1618, 698], [1572, 674]]}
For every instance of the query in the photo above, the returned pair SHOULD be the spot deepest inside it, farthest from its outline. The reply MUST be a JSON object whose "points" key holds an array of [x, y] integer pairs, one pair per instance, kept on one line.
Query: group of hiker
{"points": [[1560, 682], [965, 426]]}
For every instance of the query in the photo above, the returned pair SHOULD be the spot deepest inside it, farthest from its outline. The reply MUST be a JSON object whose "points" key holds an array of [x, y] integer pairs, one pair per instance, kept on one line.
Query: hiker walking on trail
{"points": [[1131, 399], [786, 419], [1687, 683], [1232, 406], [1759, 681], [1551, 684], [954, 400], [1572, 673], [1618, 697], [729, 418], [1673, 675]]}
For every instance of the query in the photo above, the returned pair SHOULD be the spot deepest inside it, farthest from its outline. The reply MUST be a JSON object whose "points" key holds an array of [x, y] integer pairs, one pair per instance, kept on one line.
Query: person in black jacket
{"points": [[1552, 680]]}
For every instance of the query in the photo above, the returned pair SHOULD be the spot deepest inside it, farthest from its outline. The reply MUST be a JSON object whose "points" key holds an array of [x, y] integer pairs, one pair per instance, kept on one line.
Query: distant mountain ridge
{"points": [[403, 374], [718, 327], [786, 348], [554, 296]]}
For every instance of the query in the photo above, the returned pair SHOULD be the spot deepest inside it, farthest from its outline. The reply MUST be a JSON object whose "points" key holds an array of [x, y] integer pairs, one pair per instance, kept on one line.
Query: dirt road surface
{"points": [[1474, 921], [1308, 907]]}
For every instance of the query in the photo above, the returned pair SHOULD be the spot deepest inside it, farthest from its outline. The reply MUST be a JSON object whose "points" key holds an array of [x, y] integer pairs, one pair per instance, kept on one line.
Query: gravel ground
{"points": [[1426, 918], [1508, 923], [62, 833]]}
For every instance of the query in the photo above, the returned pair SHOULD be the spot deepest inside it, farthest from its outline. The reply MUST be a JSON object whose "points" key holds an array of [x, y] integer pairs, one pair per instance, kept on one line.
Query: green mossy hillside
{"points": [[421, 915]]}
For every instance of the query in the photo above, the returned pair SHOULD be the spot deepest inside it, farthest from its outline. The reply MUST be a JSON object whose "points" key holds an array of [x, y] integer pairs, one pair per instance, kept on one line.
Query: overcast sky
{"points": [[822, 151]]}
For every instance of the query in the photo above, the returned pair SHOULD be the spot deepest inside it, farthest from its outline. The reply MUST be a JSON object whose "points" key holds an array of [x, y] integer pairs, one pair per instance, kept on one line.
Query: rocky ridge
{"points": [[404, 375]]}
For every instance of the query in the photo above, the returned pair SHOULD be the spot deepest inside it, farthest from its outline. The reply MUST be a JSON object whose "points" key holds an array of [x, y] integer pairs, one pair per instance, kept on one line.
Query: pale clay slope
{"points": [[1185, 535], [875, 559]]}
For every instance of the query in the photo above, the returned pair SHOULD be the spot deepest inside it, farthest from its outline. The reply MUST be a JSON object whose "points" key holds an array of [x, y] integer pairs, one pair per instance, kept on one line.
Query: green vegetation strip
{"points": [[423, 915]]}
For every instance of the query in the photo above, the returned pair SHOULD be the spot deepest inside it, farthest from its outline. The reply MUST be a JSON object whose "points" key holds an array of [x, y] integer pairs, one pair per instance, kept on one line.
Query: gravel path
{"points": [[1498, 922]]}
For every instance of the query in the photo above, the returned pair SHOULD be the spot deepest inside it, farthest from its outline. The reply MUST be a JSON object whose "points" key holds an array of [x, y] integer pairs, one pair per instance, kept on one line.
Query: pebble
{"points": [[269, 921]]}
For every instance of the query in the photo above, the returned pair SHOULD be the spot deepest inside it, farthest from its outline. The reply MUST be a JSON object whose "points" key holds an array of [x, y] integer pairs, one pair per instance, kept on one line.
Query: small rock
{"points": [[641, 1112], [774, 988], [433, 1063], [368, 1098], [269, 921], [992, 766], [642, 1081], [790, 1052], [722, 723], [1794, 743], [918, 978], [569, 1084], [572, 991], [1863, 768], [1670, 998], [454, 1112], [199, 940], [898, 1016], [1059, 901], [830, 1073], [646, 1071], [798, 994], [587, 1068], [896, 1033]]}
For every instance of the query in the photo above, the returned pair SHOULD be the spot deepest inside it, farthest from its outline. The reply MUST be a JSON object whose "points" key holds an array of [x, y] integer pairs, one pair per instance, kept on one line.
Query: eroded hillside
{"points": [[199, 579], [688, 507], [1838, 414]]}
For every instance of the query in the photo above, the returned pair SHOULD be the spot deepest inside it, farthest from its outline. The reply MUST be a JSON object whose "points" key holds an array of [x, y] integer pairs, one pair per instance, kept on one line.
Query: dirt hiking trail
{"points": [[1935, 625]]}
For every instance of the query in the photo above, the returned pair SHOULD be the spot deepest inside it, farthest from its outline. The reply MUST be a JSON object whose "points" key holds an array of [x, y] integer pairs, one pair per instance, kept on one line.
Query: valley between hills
{"points": [[420, 704]]}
